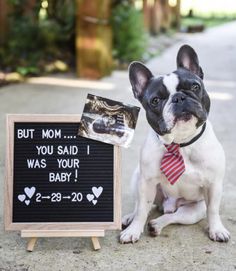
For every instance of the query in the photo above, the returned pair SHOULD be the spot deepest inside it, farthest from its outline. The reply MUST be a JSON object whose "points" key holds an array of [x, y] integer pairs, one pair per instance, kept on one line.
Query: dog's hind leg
{"points": [[187, 214], [169, 205]]}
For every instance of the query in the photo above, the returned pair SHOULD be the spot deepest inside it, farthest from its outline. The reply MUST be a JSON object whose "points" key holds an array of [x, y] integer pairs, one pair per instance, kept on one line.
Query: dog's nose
{"points": [[178, 98]]}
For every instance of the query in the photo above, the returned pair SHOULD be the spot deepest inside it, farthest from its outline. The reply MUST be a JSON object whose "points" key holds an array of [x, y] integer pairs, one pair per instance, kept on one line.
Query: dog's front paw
{"points": [[219, 234], [130, 234], [126, 220]]}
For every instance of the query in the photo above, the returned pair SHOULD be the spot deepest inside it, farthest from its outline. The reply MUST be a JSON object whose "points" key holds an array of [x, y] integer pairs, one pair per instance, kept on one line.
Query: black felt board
{"points": [[96, 169]]}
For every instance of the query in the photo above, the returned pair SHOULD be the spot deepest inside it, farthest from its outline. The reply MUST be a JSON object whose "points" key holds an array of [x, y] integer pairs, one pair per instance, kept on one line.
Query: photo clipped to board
{"points": [[108, 121]]}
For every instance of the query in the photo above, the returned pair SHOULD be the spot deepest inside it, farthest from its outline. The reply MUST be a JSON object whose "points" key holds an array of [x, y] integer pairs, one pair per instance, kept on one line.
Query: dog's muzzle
{"points": [[185, 106]]}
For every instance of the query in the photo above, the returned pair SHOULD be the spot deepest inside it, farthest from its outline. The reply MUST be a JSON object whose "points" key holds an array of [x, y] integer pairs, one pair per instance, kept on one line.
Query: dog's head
{"points": [[176, 104]]}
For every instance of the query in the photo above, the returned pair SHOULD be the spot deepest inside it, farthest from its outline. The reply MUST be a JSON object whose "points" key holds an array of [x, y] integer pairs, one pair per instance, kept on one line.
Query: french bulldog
{"points": [[186, 182]]}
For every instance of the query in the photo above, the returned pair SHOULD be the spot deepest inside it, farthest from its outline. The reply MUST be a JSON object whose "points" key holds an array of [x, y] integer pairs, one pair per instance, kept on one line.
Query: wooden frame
{"points": [[60, 228]]}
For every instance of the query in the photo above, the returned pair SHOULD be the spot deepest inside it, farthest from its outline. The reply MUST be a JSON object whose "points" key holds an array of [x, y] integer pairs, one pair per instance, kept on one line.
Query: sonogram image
{"points": [[108, 121]]}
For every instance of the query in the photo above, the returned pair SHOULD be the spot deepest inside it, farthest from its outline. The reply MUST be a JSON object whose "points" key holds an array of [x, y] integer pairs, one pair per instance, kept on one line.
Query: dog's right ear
{"points": [[139, 76]]}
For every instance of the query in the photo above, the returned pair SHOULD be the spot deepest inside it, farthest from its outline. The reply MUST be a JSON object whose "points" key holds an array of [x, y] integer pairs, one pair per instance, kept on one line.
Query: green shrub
{"points": [[34, 41], [129, 37]]}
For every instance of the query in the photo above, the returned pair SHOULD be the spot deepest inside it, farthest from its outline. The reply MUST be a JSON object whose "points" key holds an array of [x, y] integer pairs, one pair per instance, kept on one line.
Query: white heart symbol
{"points": [[95, 202], [27, 202], [90, 197], [21, 197], [97, 191], [30, 191]]}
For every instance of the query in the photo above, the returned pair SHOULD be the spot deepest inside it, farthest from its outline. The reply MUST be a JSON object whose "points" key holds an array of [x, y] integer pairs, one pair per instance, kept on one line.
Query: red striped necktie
{"points": [[172, 163]]}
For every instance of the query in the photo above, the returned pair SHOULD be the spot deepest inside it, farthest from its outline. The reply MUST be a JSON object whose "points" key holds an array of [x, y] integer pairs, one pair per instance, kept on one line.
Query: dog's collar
{"points": [[193, 139]]}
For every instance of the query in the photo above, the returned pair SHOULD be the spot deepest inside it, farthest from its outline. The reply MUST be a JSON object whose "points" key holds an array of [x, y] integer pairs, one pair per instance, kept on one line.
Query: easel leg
{"points": [[31, 243], [95, 242]]}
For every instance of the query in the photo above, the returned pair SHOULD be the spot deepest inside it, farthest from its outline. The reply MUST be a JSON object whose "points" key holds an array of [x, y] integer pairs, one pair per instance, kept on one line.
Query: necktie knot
{"points": [[172, 148]]}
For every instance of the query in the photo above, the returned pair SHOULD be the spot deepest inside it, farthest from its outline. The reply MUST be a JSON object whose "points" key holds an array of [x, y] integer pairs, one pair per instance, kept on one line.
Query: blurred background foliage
{"points": [[129, 36], [41, 34]]}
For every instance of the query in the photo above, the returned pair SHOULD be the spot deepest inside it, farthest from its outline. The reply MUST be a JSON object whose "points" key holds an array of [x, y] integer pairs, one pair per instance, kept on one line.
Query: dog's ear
{"points": [[139, 76], [187, 58]]}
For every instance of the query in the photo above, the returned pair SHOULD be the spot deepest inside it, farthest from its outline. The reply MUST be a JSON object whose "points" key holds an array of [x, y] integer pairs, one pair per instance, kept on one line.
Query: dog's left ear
{"points": [[187, 58]]}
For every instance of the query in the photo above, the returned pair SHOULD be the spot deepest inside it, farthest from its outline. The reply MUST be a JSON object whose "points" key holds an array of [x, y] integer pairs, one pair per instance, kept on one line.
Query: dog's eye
{"points": [[195, 87], [155, 101]]}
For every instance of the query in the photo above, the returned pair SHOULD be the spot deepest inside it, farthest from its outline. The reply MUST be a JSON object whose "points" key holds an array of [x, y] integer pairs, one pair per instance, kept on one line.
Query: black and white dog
{"points": [[177, 106]]}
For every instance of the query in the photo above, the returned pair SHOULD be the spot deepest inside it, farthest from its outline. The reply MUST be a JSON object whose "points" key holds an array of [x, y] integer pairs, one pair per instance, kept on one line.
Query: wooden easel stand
{"points": [[35, 234]]}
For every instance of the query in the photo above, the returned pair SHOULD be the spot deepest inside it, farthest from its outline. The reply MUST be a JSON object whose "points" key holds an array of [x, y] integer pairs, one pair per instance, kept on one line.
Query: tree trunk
{"points": [[4, 9], [177, 15], [166, 15], [156, 17], [93, 39], [146, 14]]}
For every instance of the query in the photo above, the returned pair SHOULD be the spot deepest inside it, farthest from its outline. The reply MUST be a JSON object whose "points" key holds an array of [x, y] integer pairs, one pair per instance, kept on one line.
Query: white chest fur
{"points": [[204, 161], [190, 184]]}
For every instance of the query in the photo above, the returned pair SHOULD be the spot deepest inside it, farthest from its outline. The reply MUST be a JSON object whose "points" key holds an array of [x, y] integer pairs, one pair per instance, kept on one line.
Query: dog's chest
{"points": [[191, 182]]}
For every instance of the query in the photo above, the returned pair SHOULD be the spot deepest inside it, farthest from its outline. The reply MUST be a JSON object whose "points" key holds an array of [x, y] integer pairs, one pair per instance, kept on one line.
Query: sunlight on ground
{"points": [[220, 83], [206, 8], [99, 85], [209, 7], [220, 96], [72, 83]]}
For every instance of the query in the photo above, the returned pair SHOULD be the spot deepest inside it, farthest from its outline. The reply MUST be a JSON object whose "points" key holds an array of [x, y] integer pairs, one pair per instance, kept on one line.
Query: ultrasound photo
{"points": [[108, 121]]}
